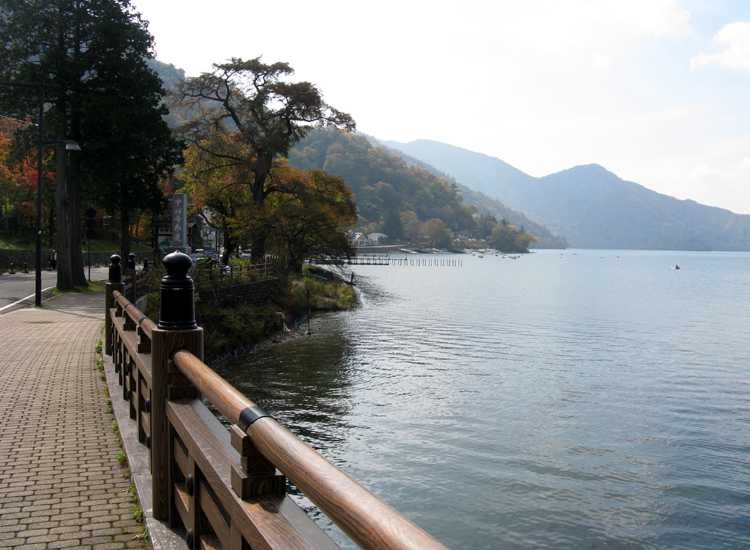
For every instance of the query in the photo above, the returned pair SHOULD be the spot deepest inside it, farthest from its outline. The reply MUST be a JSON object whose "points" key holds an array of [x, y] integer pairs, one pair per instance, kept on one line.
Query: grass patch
{"points": [[122, 458], [93, 286], [324, 294], [97, 245], [137, 514], [17, 243]]}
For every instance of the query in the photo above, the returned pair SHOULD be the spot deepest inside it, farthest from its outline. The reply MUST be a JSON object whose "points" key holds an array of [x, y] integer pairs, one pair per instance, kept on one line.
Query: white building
{"points": [[377, 238]]}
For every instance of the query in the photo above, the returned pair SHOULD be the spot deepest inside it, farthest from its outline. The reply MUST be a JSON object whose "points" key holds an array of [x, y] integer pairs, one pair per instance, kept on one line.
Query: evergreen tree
{"points": [[104, 96]]}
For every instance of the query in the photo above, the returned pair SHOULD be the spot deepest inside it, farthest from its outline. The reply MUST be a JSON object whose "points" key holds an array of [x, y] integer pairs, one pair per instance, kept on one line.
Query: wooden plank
{"points": [[212, 509], [134, 388], [130, 341], [144, 417], [209, 541], [297, 517], [181, 457], [182, 504]]}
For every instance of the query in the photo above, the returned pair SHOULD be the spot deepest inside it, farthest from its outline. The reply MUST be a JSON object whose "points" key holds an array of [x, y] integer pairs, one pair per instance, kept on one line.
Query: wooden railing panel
{"points": [[259, 519], [341, 498], [129, 340], [134, 372], [182, 504]]}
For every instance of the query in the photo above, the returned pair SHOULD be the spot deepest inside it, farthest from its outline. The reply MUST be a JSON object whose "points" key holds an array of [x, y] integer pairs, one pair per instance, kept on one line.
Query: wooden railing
{"points": [[226, 487]]}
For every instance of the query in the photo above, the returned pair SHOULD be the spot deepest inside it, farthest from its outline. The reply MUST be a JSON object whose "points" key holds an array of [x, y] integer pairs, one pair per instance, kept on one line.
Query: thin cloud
{"points": [[736, 55]]}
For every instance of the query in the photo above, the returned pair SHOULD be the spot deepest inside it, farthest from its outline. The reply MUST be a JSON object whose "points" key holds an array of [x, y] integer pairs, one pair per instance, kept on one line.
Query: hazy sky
{"points": [[656, 91]]}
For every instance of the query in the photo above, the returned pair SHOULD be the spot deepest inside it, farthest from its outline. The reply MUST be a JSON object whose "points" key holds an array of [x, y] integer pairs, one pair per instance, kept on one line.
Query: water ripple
{"points": [[556, 401]]}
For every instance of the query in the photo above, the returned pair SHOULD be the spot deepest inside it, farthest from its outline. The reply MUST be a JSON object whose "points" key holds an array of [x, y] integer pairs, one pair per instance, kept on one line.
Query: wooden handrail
{"points": [[138, 317], [367, 520]]}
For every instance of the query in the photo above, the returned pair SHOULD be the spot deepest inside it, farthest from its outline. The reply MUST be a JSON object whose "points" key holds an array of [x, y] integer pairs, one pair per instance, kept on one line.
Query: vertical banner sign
{"points": [[179, 221]]}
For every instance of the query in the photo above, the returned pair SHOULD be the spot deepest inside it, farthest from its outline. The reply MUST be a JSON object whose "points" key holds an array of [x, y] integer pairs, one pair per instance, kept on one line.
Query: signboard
{"points": [[179, 223]]}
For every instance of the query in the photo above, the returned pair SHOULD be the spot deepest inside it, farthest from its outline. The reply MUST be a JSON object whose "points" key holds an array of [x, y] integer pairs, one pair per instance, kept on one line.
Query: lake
{"points": [[565, 399]]}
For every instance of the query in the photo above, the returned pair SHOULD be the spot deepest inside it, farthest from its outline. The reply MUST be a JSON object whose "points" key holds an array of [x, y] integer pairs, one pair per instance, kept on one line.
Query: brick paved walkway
{"points": [[60, 483]]}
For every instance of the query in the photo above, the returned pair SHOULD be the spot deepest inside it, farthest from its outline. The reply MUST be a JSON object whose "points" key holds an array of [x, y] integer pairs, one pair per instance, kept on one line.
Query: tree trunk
{"points": [[76, 224], [228, 244], [257, 254], [62, 205], [51, 224], [124, 235]]}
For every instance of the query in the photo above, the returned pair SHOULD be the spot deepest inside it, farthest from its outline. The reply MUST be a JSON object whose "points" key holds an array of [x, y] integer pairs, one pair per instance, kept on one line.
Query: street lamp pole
{"points": [[40, 151]]}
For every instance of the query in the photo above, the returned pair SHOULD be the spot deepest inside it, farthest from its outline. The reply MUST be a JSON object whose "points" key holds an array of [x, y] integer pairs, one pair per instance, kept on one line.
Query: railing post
{"points": [[175, 330], [114, 283]]}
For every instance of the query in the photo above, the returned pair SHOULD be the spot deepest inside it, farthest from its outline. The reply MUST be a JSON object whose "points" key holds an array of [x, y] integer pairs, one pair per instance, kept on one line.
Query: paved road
{"points": [[18, 290]]}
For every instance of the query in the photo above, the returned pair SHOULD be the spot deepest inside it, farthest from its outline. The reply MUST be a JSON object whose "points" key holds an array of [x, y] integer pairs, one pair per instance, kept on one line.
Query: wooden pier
{"points": [[389, 259]]}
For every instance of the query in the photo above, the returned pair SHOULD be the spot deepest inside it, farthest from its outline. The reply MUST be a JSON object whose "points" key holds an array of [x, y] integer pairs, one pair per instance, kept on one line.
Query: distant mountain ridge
{"points": [[590, 206]]}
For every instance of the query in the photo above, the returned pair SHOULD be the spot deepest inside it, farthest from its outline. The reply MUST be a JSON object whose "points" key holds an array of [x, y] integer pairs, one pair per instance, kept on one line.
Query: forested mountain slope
{"points": [[590, 206], [487, 205], [388, 189], [596, 209]]}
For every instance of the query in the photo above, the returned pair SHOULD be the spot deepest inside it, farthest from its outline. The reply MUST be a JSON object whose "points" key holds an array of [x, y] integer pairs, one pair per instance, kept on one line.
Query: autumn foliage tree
{"points": [[18, 182], [217, 193], [310, 215], [307, 212], [253, 106]]}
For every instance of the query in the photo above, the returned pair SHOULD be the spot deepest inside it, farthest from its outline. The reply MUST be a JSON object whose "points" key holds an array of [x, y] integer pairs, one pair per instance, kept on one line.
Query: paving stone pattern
{"points": [[60, 483]]}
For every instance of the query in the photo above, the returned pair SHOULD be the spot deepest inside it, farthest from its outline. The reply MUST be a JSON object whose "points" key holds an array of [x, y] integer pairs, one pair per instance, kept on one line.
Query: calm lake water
{"points": [[583, 399]]}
